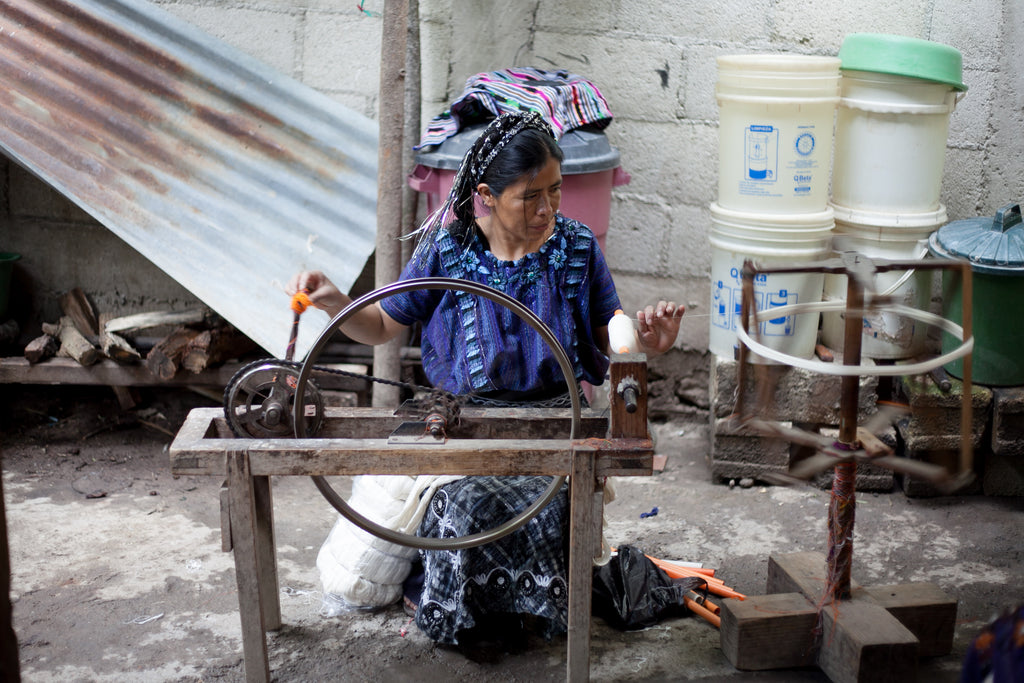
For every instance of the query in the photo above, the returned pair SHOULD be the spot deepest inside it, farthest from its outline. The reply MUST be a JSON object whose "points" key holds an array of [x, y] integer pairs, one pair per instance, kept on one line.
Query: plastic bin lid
{"points": [[586, 151], [992, 245], [903, 56]]}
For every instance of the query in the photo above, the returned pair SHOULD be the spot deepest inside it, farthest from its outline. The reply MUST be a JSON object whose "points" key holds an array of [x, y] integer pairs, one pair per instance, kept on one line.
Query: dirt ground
{"points": [[118, 573]]}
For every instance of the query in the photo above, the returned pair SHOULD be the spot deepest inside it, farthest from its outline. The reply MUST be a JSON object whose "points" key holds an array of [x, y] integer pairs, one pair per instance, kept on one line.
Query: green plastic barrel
{"points": [[995, 249], [7, 260]]}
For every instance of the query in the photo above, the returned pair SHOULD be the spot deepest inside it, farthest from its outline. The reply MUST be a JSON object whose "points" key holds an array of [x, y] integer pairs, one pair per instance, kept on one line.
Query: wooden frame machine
{"points": [[580, 445]]}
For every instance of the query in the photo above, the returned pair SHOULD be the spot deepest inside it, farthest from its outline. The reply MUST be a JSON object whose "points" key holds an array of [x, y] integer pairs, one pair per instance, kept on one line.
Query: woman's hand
{"points": [[369, 325], [658, 326], [323, 293]]}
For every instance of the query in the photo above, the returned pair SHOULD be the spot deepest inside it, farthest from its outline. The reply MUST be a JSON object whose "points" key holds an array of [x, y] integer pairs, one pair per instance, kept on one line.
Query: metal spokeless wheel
{"points": [[259, 401], [440, 283]]}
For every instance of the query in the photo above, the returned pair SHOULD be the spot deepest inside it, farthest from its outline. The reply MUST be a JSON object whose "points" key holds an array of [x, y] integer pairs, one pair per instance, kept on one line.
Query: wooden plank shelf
{"points": [[17, 370]]}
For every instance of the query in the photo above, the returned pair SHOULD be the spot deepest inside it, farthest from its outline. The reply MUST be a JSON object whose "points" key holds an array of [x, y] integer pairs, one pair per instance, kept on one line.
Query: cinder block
{"points": [[742, 444], [723, 472], [935, 414], [946, 458], [1003, 475], [1008, 421], [794, 394], [917, 437]]}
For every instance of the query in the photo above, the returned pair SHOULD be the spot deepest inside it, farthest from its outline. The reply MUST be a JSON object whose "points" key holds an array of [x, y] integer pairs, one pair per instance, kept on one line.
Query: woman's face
{"points": [[525, 212]]}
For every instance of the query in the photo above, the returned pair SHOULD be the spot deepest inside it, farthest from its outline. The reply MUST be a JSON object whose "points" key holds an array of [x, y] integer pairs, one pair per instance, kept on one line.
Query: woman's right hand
{"points": [[369, 325], [323, 293]]}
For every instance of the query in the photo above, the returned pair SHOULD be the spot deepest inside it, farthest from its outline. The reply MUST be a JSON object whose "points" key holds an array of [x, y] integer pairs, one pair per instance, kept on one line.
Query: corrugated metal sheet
{"points": [[226, 174]]}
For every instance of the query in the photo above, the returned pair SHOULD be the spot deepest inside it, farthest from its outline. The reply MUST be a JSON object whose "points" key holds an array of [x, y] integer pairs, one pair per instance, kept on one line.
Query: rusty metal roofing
{"points": [[223, 172]]}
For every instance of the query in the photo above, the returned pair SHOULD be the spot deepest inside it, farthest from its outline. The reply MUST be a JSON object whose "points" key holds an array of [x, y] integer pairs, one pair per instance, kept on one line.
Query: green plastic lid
{"points": [[903, 56]]}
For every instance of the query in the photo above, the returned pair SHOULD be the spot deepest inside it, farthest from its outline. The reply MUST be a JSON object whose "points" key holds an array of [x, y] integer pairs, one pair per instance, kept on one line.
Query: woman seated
{"points": [[470, 346]]}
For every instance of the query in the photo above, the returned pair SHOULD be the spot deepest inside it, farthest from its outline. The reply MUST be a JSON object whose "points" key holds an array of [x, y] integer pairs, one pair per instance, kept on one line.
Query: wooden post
{"points": [[244, 535], [628, 395], [843, 502], [10, 671], [390, 179], [582, 489]]}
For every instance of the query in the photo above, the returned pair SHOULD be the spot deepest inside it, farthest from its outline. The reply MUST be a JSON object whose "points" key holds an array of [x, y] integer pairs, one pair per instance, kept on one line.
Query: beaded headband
{"points": [[508, 126]]}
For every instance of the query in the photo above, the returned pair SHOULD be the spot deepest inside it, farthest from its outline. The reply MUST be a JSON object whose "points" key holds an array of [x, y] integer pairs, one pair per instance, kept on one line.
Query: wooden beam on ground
{"points": [[767, 632], [877, 634]]}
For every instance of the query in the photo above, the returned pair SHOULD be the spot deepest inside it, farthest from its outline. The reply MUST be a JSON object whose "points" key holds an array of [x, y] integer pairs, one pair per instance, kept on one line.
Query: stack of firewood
{"points": [[198, 340]]}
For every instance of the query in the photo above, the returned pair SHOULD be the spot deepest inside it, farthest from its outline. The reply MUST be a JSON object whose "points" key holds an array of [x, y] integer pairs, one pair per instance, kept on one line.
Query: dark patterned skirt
{"points": [[523, 574]]}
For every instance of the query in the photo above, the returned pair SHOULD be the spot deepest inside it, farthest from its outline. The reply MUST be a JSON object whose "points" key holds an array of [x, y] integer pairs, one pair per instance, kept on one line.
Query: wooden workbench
{"points": [[354, 441]]}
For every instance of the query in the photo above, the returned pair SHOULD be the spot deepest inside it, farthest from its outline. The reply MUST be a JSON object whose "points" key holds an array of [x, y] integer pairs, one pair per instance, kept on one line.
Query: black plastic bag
{"points": [[631, 592]]}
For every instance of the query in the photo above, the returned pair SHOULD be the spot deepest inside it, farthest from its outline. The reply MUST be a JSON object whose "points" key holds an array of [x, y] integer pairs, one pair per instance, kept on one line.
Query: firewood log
{"points": [[41, 348], [77, 306], [73, 343], [115, 346], [215, 346], [164, 359]]}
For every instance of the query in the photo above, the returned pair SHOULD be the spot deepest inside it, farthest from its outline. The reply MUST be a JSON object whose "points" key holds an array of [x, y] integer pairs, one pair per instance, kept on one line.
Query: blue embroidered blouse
{"points": [[472, 345]]}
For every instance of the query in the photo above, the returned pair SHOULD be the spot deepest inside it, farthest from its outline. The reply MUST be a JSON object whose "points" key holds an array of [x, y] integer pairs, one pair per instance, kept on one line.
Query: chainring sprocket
{"points": [[259, 401]]}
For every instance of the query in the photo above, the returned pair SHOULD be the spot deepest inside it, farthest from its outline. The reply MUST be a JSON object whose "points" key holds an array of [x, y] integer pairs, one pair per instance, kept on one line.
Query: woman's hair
{"points": [[512, 145]]}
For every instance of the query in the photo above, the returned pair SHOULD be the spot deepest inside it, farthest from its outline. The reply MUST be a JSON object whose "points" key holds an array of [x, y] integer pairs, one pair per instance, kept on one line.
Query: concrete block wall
{"points": [[655, 63], [793, 397], [930, 432]]}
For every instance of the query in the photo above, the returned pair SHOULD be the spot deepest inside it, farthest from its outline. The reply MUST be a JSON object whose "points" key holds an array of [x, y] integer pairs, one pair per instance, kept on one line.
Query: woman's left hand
{"points": [[658, 326]]}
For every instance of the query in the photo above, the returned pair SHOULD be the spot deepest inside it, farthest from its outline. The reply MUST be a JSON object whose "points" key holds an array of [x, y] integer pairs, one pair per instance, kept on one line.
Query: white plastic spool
{"points": [[897, 237], [776, 116], [622, 336], [890, 142], [768, 240]]}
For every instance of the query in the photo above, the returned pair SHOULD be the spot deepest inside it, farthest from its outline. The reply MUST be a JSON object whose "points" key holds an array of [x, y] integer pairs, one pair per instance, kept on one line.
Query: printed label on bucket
{"points": [[762, 176], [794, 334], [762, 145], [726, 304]]}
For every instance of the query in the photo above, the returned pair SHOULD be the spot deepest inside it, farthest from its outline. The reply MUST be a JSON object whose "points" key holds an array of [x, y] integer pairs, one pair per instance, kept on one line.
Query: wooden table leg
{"points": [[246, 529], [582, 542], [266, 553]]}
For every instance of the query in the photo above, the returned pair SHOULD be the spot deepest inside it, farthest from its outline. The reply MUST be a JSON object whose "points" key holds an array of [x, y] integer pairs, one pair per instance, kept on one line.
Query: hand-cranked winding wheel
{"points": [[501, 441]]}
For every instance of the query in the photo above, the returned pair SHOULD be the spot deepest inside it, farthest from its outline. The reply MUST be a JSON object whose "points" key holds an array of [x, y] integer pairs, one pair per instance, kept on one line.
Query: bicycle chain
{"points": [[348, 373]]}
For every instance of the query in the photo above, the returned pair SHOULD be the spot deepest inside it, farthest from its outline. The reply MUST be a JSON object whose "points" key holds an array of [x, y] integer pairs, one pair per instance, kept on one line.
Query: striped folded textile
{"points": [[565, 100]]}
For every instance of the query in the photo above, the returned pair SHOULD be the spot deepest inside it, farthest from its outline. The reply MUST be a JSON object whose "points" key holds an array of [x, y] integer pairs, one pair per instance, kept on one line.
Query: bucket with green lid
{"points": [[896, 97], [994, 246]]}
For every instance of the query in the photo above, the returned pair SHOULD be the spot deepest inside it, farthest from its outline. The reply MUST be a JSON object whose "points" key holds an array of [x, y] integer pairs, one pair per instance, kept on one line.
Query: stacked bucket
{"points": [[776, 115], [897, 95]]}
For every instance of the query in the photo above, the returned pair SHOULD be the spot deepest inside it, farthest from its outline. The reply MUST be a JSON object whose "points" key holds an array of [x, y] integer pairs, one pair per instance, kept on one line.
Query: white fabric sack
{"points": [[365, 571]]}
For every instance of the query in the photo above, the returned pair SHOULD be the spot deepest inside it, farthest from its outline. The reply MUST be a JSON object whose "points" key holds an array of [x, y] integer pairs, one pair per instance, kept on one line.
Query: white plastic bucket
{"points": [[776, 115], [890, 142], [768, 240], [896, 237]]}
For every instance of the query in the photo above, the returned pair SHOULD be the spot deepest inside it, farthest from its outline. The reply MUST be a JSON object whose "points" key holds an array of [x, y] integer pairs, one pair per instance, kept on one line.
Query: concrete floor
{"points": [[117, 571]]}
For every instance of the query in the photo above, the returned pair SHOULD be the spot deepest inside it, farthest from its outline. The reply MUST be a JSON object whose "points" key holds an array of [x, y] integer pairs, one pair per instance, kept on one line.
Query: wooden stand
{"points": [[814, 613], [488, 441], [877, 634]]}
